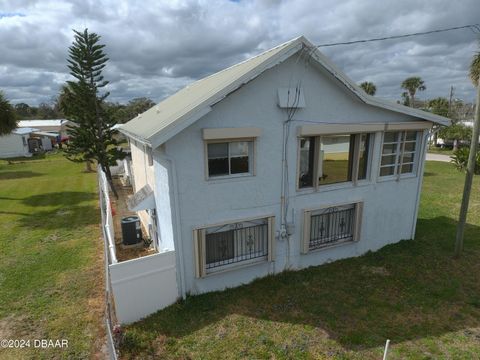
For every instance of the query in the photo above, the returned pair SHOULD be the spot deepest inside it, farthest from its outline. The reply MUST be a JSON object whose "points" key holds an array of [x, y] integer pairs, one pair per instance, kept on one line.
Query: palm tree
{"points": [[369, 87], [475, 77], [412, 85], [8, 121]]}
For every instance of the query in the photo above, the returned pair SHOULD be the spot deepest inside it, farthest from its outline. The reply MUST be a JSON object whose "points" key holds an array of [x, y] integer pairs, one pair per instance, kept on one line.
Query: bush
{"points": [[460, 159]]}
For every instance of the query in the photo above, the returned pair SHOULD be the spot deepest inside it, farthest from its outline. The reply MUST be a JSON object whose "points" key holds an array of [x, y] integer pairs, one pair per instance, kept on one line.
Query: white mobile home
{"points": [[279, 162], [16, 143]]}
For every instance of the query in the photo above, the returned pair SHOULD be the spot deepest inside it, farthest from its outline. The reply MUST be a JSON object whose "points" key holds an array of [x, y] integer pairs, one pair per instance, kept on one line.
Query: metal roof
{"points": [[48, 122], [24, 130], [166, 119]]}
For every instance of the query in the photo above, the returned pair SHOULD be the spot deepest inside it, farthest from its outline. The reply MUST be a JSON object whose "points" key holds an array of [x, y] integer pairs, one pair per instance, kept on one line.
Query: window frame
{"points": [[357, 227], [401, 140], [355, 166], [200, 256], [251, 162]]}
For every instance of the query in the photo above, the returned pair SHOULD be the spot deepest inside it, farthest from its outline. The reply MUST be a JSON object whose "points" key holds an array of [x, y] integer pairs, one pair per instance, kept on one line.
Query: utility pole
{"points": [[450, 102], [468, 178]]}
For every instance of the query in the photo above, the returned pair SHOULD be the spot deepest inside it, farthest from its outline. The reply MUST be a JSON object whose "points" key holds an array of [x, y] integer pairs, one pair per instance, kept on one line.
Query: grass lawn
{"points": [[51, 272], [439, 150], [413, 293]]}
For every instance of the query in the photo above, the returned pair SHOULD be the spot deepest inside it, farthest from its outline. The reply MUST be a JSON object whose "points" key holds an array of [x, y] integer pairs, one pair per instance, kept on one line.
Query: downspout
{"points": [[420, 180], [177, 238]]}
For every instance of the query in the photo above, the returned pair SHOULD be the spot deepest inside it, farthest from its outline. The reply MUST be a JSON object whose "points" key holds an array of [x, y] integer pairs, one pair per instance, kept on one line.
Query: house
{"points": [[278, 162], [51, 126], [16, 144]]}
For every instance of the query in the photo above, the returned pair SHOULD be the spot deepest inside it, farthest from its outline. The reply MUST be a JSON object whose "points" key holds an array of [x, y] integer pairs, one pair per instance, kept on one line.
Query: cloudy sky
{"points": [[156, 47]]}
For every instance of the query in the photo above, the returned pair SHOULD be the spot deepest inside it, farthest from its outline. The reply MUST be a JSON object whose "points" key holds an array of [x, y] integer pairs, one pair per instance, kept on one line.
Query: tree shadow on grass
{"points": [[9, 175], [63, 198], [66, 218], [405, 291]]}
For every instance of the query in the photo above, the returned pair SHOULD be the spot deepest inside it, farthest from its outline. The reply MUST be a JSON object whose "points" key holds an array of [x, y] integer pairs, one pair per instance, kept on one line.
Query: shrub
{"points": [[460, 159]]}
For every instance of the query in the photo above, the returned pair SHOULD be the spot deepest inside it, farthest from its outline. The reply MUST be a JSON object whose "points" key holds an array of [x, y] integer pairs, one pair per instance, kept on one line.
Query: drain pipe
{"points": [[177, 229]]}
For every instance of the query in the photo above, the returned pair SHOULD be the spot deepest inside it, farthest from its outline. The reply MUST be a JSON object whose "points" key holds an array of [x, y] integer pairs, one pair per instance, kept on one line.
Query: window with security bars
{"points": [[223, 246], [333, 225], [399, 152]]}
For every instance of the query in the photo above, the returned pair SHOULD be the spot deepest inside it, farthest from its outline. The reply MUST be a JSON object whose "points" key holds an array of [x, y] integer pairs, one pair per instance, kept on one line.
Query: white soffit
{"points": [[325, 129]]}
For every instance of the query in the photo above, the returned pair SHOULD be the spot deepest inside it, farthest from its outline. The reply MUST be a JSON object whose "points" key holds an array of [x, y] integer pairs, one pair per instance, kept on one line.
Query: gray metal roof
{"points": [[163, 121]]}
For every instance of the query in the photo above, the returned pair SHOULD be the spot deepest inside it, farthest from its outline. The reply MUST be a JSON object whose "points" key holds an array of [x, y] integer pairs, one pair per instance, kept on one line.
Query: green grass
{"points": [[51, 272], [439, 150], [414, 293]]}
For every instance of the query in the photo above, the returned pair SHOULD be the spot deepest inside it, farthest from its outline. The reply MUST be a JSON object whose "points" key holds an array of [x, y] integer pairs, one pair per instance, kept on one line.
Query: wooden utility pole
{"points": [[468, 178]]}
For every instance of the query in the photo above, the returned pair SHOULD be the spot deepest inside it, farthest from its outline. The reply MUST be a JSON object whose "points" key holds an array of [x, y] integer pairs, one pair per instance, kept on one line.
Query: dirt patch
{"points": [[375, 270]]}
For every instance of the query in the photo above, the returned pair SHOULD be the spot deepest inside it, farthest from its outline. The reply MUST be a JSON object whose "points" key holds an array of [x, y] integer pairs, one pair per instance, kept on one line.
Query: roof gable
{"points": [[175, 113]]}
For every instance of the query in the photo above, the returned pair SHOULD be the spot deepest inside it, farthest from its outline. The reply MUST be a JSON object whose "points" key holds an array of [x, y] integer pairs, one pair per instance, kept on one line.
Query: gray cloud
{"points": [[156, 47]]}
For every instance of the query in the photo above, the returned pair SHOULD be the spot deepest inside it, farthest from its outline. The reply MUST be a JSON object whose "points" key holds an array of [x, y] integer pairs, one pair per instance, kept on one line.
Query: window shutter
{"points": [[271, 238], [199, 252], [358, 220], [306, 231]]}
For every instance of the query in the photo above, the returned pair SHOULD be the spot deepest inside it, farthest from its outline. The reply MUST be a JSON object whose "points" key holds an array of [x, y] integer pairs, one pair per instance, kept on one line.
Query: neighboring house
{"points": [[16, 144], [52, 126], [278, 162]]}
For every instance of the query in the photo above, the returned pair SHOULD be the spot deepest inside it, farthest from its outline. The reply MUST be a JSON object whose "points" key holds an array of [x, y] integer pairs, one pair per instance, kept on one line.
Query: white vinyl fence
{"points": [[135, 288]]}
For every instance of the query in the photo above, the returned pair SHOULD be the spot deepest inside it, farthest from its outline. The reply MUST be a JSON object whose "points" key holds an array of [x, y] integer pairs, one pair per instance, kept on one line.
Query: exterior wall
{"points": [[12, 146], [389, 206], [143, 174]]}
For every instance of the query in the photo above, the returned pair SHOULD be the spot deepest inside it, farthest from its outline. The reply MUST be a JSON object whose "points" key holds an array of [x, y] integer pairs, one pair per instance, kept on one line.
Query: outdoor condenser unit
{"points": [[131, 230]]}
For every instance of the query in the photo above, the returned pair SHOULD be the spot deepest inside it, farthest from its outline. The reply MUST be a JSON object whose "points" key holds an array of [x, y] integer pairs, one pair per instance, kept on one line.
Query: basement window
{"points": [[223, 246]]}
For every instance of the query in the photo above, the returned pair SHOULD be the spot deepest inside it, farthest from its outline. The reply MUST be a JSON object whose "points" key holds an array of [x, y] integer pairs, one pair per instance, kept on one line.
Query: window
{"points": [[220, 247], [332, 159], [399, 152], [230, 158], [331, 226]]}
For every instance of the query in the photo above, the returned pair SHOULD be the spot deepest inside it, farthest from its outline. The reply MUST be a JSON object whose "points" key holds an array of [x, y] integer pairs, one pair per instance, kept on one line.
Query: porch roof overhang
{"points": [[143, 199]]}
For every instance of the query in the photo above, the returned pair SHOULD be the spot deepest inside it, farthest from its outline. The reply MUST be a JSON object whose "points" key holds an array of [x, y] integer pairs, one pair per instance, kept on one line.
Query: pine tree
{"points": [[91, 137]]}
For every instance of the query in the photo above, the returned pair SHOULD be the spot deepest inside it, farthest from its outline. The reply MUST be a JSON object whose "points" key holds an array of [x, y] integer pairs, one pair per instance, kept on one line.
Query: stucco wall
{"points": [[389, 206], [143, 174]]}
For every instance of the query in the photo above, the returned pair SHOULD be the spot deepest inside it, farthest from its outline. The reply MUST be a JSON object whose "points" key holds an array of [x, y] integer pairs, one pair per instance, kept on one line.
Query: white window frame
{"points": [[307, 215], [399, 155], [251, 158], [355, 166], [199, 242]]}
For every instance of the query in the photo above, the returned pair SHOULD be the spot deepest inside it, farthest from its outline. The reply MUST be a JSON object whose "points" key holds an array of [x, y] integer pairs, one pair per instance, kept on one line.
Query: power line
{"points": [[474, 27]]}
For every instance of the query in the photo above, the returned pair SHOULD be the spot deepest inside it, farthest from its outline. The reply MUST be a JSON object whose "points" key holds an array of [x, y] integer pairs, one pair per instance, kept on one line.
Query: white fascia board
{"points": [[329, 129], [134, 137], [178, 125]]}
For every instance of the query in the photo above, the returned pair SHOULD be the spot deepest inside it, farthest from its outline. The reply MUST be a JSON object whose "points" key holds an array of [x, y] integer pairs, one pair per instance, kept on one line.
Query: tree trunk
{"points": [[108, 174], [455, 145], [468, 179], [88, 166]]}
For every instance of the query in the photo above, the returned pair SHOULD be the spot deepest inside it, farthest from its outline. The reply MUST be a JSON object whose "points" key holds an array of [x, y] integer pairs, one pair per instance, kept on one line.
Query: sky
{"points": [[156, 47]]}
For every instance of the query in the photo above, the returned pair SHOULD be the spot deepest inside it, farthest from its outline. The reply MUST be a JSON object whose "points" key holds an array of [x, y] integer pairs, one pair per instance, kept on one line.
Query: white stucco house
{"points": [[278, 162]]}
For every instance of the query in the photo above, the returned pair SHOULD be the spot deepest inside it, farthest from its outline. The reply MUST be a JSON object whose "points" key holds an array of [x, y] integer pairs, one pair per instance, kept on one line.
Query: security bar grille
{"points": [[332, 225], [233, 243]]}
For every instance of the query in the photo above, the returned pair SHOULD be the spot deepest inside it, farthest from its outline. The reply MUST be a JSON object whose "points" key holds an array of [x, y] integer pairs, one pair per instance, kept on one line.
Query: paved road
{"points": [[438, 157]]}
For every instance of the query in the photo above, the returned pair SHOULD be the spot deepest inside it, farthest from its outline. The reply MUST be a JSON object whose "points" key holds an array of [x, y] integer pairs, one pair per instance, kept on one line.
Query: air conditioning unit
{"points": [[131, 230]]}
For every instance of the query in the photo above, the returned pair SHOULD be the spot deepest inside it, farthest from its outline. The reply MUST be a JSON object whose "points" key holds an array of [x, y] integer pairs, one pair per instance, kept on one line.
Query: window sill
{"points": [[331, 246], [226, 178], [333, 187], [381, 179], [235, 266]]}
